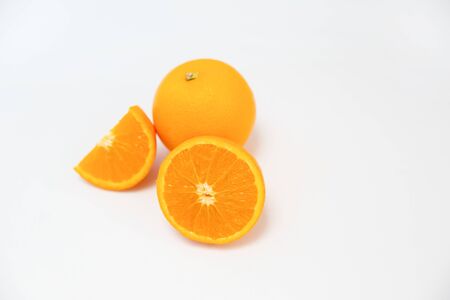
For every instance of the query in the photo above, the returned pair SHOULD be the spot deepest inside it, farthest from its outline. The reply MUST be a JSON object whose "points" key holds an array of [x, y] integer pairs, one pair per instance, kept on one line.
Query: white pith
{"points": [[107, 141], [205, 194]]}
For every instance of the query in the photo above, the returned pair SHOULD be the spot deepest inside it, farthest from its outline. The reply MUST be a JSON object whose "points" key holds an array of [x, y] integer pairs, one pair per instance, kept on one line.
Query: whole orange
{"points": [[203, 97]]}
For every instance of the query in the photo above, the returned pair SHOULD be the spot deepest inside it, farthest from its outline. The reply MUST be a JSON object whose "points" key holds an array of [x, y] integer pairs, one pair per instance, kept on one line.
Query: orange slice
{"points": [[124, 156], [211, 190]]}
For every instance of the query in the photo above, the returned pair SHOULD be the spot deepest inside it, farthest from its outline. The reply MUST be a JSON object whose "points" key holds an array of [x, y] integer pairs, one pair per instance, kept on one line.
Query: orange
{"points": [[124, 156], [211, 190], [203, 97]]}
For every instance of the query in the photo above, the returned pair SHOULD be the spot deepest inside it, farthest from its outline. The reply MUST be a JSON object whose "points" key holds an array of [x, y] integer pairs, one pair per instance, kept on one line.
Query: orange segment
{"points": [[211, 190], [124, 156]]}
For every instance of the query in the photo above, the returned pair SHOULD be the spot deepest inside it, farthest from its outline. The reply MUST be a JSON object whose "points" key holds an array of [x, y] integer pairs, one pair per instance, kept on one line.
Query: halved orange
{"points": [[211, 190], [124, 156]]}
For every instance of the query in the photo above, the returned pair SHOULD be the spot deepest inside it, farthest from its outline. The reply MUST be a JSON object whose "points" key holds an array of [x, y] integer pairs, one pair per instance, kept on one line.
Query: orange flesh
{"points": [[210, 191], [124, 156]]}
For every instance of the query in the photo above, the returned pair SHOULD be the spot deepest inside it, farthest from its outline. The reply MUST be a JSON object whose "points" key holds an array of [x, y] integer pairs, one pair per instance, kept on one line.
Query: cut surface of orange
{"points": [[211, 190], [124, 156]]}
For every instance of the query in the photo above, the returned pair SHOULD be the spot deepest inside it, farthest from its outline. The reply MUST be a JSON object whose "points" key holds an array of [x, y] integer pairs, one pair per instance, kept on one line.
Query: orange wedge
{"points": [[211, 190], [124, 156]]}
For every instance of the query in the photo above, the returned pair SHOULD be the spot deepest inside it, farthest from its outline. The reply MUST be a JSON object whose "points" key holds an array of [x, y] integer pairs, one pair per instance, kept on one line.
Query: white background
{"points": [[352, 134]]}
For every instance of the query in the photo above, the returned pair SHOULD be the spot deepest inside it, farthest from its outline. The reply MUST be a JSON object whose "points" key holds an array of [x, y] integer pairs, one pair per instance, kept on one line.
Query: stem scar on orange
{"points": [[124, 156], [211, 190], [203, 97]]}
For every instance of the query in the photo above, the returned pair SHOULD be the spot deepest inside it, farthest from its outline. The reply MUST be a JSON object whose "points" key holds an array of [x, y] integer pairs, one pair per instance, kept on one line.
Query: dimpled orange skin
{"points": [[218, 102]]}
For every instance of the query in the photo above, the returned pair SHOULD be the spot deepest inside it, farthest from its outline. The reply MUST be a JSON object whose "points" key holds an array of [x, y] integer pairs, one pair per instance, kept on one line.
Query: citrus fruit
{"points": [[203, 97], [211, 190], [124, 156]]}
